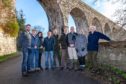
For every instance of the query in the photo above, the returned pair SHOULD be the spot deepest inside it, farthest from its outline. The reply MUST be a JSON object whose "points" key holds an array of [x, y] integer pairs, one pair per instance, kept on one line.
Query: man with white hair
{"points": [[93, 43], [71, 38]]}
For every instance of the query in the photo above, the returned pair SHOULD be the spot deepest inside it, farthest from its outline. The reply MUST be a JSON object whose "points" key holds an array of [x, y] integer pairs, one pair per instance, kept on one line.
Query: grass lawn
{"points": [[8, 56]]}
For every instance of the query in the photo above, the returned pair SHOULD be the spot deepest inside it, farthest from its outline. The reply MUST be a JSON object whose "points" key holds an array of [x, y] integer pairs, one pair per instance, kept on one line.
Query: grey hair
{"points": [[93, 26]]}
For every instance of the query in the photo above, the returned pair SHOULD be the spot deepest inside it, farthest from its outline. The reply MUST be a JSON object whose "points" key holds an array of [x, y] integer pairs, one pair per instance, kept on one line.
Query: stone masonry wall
{"points": [[7, 44], [113, 54]]}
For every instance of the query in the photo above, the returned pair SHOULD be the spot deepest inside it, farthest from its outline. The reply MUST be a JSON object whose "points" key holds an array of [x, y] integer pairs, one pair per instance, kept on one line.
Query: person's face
{"points": [[28, 28], [92, 29], [49, 34], [40, 34], [55, 32], [34, 33], [65, 30], [80, 32], [72, 29]]}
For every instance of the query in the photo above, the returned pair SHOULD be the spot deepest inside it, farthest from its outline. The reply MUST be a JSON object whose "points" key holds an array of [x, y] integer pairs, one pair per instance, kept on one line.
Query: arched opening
{"points": [[107, 30], [97, 23], [36, 16], [71, 22], [80, 20], [114, 30]]}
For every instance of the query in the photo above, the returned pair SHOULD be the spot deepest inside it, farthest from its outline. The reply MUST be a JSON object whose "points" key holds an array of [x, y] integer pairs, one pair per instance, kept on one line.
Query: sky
{"points": [[35, 14], [105, 7]]}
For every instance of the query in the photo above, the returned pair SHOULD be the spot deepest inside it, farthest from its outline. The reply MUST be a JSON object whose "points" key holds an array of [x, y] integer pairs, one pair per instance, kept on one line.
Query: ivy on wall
{"points": [[10, 27], [6, 3]]}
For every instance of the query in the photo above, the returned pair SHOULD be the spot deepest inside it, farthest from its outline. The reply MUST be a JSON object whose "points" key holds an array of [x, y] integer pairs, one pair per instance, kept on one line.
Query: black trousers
{"points": [[57, 56], [39, 61], [81, 60]]}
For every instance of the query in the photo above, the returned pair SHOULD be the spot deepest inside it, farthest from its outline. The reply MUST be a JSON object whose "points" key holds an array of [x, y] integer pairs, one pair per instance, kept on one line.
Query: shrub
{"points": [[11, 28], [6, 3]]}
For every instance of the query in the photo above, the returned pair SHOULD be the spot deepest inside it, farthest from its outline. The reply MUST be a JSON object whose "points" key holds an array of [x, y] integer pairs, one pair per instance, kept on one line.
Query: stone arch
{"points": [[79, 19], [114, 30], [97, 23], [114, 33], [54, 14], [107, 30]]}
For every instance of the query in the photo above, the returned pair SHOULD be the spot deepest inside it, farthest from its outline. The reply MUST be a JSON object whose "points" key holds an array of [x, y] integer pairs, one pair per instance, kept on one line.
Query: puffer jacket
{"points": [[81, 45]]}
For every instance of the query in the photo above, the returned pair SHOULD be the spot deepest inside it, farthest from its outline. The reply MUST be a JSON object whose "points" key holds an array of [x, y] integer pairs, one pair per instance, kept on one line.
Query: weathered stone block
{"points": [[113, 53]]}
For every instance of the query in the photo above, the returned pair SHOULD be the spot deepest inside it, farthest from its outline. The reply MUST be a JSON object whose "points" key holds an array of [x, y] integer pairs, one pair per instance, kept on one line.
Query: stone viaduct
{"points": [[58, 12]]}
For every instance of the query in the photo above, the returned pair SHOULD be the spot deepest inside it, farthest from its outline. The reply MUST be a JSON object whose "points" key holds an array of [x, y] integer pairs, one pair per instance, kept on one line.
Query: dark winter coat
{"points": [[49, 44], [71, 38], [93, 40], [63, 41], [34, 42], [56, 45], [25, 40]]}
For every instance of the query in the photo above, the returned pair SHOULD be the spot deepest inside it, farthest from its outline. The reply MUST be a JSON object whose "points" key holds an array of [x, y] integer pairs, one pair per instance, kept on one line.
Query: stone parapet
{"points": [[113, 53]]}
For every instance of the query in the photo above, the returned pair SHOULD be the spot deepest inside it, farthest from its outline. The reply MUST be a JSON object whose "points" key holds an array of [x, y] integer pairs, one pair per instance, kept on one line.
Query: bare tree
{"points": [[39, 28], [120, 13]]}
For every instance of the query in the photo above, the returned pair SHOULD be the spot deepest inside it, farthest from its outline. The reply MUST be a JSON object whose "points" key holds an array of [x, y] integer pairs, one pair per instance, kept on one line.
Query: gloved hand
{"points": [[83, 49]]}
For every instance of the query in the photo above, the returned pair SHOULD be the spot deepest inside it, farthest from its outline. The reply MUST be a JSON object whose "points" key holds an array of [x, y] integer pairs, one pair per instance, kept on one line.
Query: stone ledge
{"points": [[114, 44]]}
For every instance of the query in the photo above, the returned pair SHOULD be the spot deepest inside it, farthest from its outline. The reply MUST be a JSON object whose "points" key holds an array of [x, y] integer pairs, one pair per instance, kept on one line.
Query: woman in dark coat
{"points": [[40, 35]]}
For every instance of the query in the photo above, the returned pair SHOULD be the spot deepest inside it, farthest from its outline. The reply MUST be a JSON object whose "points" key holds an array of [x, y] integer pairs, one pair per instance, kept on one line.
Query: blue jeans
{"points": [[49, 56], [34, 58], [25, 64]]}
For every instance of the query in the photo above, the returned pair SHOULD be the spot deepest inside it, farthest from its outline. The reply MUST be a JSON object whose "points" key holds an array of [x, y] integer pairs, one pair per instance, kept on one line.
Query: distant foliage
{"points": [[39, 28], [20, 20]]}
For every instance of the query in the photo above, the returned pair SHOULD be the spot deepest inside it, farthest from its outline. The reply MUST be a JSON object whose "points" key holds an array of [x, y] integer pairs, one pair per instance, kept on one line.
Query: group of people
{"points": [[69, 49]]}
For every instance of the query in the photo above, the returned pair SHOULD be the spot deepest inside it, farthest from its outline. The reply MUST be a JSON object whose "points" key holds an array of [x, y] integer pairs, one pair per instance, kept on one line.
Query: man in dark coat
{"points": [[63, 46], [25, 43], [93, 43], [49, 50]]}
